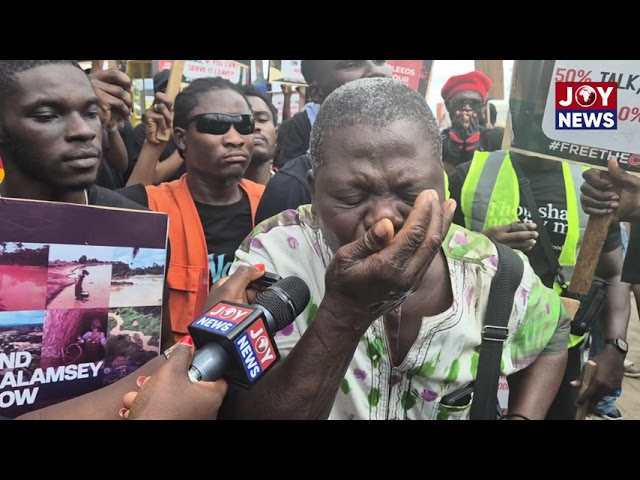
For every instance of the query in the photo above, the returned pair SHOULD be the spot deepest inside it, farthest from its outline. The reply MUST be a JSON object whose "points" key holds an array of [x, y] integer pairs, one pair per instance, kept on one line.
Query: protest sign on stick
{"points": [[414, 73], [579, 111], [173, 88]]}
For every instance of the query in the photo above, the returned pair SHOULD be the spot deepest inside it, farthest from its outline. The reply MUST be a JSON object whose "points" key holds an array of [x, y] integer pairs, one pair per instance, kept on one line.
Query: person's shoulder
{"points": [[462, 170], [104, 197], [297, 167], [287, 220], [165, 187], [252, 187], [470, 247]]}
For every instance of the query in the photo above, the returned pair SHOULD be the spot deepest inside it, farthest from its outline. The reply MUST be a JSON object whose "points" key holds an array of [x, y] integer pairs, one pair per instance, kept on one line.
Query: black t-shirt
{"points": [[293, 139], [108, 198], [288, 188], [549, 192], [107, 176], [225, 228], [631, 268]]}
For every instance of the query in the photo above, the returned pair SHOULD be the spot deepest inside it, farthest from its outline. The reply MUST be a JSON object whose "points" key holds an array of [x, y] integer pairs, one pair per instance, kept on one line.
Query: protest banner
{"points": [[81, 293], [579, 111], [414, 73]]}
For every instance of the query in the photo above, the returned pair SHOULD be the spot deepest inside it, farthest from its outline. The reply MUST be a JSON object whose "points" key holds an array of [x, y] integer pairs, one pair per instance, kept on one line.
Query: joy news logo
{"points": [[586, 106]]}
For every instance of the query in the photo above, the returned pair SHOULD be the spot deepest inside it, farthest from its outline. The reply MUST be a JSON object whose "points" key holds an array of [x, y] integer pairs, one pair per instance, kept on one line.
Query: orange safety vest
{"points": [[188, 275]]}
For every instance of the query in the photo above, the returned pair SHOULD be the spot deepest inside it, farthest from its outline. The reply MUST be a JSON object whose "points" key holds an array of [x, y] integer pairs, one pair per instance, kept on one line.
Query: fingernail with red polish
{"points": [[187, 340], [123, 411], [260, 266], [140, 380]]}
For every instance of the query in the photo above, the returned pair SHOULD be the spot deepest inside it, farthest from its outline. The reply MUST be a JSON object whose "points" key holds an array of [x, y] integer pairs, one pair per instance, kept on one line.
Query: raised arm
{"points": [[157, 118]]}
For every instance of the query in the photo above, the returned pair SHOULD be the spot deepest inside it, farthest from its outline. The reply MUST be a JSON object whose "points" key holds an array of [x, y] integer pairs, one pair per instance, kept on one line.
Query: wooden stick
{"points": [[589, 255], [173, 88], [587, 375], [571, 306], [302, 96]]}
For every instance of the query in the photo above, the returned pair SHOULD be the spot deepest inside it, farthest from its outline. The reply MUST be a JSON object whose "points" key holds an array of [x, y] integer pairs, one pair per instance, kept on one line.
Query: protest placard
{"points": [[81, 295], [580, 111], [414, 73], [586, 128]]}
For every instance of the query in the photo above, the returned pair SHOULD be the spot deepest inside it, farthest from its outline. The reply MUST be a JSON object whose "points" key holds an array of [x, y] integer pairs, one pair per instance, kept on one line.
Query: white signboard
{"points": [[211, 68]]}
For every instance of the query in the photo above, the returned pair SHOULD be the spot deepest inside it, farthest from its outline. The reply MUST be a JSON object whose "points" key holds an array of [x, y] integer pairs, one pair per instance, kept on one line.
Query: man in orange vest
{"points": [[212, 207]]}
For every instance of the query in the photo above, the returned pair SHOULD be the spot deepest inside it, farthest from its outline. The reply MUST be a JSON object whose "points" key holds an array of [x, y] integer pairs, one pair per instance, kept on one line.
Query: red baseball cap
{"points": [[475, 80]]}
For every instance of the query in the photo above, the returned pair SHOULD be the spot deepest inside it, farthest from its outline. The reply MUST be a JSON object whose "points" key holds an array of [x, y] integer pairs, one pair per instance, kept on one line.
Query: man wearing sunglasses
{"points": [[465, 98], [212, 207]]}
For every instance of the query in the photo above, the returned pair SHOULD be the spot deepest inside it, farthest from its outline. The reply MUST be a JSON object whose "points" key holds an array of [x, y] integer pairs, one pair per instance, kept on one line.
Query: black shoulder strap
{"points": [[543, 235], [495, 332]]}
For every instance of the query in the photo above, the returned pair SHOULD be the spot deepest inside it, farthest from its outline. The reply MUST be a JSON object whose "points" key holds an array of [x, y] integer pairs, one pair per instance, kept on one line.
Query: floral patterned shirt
{"points": [[444, 356]]}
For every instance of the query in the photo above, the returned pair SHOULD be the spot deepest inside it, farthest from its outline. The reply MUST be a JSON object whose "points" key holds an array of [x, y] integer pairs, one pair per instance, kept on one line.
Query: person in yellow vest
{"points": [[212, 207], [491, 199]]}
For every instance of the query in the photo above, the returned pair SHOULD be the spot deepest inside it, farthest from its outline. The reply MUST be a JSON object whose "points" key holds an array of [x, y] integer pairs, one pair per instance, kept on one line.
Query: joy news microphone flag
{"points": [[235, 341]]}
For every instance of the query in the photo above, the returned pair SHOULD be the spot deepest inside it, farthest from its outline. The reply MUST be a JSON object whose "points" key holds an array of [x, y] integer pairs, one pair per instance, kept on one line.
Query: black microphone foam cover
{"points": [[285, 300]]}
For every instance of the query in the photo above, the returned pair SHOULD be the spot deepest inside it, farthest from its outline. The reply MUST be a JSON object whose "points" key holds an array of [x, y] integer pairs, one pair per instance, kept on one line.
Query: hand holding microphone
{"points": [[234, 341], [171, 393]]}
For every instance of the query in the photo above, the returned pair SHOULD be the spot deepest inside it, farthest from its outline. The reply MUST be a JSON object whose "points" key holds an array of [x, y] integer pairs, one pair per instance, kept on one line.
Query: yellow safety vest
{"points": [[446, 186], [490, 197]]}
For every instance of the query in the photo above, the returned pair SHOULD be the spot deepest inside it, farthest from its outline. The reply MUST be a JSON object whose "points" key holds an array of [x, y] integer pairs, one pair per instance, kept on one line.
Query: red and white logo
{"points": [[230, 313], [265, 350]]}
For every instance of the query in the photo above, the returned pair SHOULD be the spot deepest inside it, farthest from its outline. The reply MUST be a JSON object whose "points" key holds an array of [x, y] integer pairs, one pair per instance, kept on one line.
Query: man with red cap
{"points": [[465, 98]]}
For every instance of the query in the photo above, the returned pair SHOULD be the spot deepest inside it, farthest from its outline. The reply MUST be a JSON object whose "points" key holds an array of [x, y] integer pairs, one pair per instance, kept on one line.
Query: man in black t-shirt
{"points": [[211, 208], [548, 181], [51, 134]]}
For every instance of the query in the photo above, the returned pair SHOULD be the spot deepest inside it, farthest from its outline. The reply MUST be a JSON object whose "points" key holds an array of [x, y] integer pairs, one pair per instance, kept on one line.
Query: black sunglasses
{"points": [[460, 104], [219, 123]]}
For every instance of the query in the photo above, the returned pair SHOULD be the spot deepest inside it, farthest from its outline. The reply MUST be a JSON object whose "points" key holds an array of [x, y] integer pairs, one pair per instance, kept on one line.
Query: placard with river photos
{"points": [[81, 298]]}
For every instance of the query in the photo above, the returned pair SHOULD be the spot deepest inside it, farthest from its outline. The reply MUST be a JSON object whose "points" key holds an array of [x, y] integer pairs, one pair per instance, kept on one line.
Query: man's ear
{"points": [[178, 136]]}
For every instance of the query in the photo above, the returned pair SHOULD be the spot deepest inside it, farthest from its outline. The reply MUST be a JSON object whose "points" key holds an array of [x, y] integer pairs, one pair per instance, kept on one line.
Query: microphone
{"points": [[235, 341]]}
